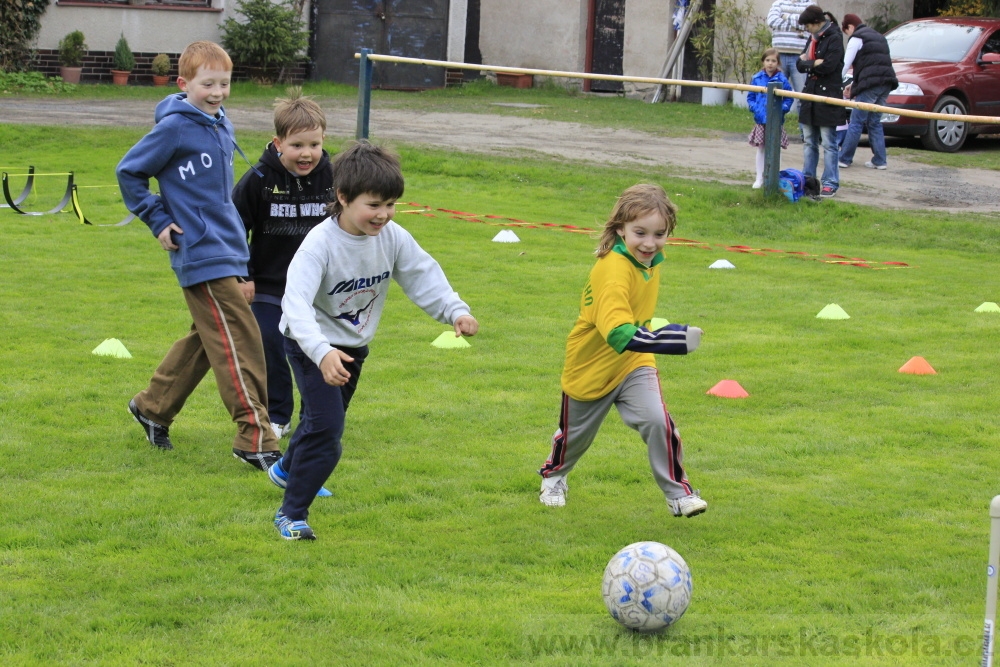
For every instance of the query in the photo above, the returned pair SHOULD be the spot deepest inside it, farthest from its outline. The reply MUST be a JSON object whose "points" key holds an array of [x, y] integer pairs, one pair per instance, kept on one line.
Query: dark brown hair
{"points": [[364, 167]]}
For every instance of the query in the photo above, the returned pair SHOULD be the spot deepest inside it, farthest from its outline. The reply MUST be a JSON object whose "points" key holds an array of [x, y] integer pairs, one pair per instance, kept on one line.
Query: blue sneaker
{"points": [[293, 530], [279, 478]]}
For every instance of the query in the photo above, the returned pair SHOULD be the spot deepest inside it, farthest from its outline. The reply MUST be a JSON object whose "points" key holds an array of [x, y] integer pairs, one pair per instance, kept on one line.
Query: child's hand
{"points": [[248, 290], [166, 242], [333, 369], [466, 325]]}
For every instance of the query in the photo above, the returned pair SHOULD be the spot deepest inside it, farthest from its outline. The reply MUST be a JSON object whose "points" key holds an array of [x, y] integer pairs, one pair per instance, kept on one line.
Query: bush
{"points": [[19, 24], [71, 49], [271, 39], [32, 82], [161, 64], [124, 60]]}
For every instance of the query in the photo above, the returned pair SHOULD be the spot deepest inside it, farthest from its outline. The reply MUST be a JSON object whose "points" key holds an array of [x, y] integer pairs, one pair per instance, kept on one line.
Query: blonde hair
{"points": [[296, 113], [635, 202], [199, 54], [770, 52]]}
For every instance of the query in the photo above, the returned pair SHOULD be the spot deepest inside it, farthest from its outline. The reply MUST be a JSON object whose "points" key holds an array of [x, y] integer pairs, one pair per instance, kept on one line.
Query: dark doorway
{"points": [[607, 43], [410, 28]]}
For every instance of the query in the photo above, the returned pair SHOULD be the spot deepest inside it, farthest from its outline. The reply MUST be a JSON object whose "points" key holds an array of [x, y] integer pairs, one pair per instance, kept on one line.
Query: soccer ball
{"points": [[647, 586]]}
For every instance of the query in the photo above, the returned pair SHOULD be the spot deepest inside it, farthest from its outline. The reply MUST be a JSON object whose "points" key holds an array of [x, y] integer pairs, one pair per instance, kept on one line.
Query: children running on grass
{"points": [[334, 296], [190, 154], [757, 102], [280, 202], [609, 354]]}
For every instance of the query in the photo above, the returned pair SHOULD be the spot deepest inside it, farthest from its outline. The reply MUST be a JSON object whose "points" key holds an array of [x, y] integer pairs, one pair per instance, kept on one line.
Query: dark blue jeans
{"points": [[315, 447], [280, 397], [869, 122]]}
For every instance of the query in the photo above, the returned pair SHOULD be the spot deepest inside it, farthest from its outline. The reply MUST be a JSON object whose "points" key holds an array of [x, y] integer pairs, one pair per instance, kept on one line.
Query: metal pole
{"points": [[772, 141], [364, 94], [993, 564]]}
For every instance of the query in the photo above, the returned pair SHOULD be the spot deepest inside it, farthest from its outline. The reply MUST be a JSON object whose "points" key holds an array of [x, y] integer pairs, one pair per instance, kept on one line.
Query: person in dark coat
{"points": [[822, 61], [874, 79]]}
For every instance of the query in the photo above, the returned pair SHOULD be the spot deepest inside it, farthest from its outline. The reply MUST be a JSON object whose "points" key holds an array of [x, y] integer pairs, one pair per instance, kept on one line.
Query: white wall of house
{"points": [[551, 34], [146, 29], [540, 34]]}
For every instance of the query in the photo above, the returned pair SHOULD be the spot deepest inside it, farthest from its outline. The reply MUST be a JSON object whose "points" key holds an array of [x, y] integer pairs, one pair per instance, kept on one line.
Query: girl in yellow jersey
{"points": [[609, 354]]}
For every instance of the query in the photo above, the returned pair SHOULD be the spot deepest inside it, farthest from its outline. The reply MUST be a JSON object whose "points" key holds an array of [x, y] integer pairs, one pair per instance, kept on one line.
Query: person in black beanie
{"points": [[822, 61], [874, 79]]}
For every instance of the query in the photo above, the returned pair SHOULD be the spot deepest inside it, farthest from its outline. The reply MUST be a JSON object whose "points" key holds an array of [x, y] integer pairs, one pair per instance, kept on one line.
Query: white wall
{"points": [[147, 30], [540, 34]]}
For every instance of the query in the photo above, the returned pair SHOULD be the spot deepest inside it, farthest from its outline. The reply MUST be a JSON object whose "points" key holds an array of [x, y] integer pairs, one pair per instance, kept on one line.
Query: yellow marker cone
{"points": [[833, 312], [449, 340], [988, 307], [657, 323], [112, 347]]}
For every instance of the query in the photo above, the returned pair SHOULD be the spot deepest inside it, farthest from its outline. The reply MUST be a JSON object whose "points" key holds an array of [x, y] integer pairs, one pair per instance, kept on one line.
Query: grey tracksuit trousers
{"points": [[640, 404]]}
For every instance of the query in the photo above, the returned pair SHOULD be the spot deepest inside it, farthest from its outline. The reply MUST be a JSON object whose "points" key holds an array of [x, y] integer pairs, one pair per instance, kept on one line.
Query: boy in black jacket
{"points": [[278, 210]]}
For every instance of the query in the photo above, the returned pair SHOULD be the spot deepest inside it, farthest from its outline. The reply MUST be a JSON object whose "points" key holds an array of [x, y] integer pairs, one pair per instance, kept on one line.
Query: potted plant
{"points": [[71, 50], [161, 69], [123, 63], [703, 44]]}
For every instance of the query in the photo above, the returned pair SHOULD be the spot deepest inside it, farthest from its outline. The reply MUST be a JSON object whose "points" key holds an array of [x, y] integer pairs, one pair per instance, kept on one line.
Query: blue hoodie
{"points": [[191, 156], [758, 101]]}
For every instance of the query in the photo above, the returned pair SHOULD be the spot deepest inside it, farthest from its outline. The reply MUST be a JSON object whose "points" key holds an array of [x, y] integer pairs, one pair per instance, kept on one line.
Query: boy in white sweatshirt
{"points": [[336, 289]]}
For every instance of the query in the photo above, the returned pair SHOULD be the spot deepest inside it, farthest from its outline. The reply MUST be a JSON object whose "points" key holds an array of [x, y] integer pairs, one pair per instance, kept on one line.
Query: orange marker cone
{"points": [[917, 366], [728, 389]]}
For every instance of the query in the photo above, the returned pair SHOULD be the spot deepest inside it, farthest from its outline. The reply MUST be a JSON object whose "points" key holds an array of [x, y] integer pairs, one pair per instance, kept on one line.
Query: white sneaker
{"points": [[281, 430], [757, 185], [687, 506], [553, 491], [872, 165]]}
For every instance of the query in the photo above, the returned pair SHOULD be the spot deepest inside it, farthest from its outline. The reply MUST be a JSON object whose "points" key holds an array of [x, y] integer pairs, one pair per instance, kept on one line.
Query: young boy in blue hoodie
{"points": [[190, 153]]}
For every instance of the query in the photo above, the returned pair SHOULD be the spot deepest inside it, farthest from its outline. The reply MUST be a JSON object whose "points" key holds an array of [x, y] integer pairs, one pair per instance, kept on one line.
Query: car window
{"points": [[992, 44], [927, 40]]}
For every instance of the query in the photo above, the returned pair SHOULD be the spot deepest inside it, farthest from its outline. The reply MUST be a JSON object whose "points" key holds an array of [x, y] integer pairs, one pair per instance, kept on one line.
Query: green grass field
{"points": [[848, 518]]}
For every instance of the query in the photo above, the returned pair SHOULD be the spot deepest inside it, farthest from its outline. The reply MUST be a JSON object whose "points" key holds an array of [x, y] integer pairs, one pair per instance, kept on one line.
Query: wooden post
{"points": [[772, 141]]}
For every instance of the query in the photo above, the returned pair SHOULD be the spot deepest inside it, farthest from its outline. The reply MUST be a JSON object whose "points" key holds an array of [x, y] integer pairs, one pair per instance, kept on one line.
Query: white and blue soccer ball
{"points": [[647, 586]]}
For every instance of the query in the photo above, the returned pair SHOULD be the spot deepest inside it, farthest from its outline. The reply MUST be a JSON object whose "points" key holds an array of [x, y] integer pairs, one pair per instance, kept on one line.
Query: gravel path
{"points": [[905, 185]]}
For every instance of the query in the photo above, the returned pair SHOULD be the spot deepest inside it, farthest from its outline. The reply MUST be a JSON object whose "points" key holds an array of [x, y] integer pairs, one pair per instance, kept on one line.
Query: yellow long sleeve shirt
{"points": [[620, 291]]}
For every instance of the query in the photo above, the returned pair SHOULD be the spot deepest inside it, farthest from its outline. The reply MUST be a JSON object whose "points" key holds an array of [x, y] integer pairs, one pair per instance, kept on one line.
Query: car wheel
{"points": [[946, 136]]}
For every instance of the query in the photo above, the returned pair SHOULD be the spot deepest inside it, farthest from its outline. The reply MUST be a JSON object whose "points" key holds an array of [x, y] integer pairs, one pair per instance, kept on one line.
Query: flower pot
{"points": [[119, 77], [740, 98], [161, 81], [515, 80], [70, 74], [713, 97]]}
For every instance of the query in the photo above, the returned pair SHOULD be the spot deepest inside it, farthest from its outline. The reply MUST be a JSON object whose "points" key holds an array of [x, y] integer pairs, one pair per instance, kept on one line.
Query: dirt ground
{"points": [[907, 184]]}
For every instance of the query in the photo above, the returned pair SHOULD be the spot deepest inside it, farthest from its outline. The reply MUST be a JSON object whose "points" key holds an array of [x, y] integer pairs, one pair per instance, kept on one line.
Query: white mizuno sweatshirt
{"points": [[337, 285]]}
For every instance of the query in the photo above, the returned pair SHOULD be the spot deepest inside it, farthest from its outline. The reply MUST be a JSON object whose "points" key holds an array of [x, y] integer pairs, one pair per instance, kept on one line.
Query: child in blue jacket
{"points": [[757, 102]]}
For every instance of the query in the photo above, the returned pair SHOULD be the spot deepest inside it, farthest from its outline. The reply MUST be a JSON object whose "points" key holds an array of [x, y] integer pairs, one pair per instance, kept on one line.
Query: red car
{"points": [[944, 65]]}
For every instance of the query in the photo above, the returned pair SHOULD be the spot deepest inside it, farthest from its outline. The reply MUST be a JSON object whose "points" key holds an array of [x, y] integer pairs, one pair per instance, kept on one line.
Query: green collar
{"points": [[621, 249]]}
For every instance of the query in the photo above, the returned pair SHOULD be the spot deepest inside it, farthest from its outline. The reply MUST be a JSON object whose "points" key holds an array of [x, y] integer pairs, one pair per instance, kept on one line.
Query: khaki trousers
{"points": [[224, 337]]}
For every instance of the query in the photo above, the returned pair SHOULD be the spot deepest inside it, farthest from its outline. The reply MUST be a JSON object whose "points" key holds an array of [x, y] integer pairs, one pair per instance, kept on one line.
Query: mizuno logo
{"points": [[357, 283]]}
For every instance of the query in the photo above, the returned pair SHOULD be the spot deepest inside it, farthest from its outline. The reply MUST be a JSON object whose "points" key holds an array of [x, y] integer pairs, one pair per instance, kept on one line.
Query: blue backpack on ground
{"points": [[792, 184]]}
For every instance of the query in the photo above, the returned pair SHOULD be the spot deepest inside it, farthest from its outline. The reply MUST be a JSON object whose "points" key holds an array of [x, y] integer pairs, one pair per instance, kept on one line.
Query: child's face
{"points": [[300, 151], [771, 65], [366, 215], [645, 236], [208, 89]]}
